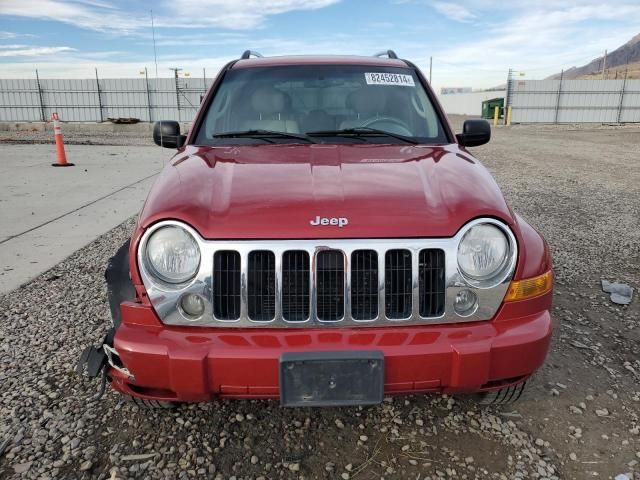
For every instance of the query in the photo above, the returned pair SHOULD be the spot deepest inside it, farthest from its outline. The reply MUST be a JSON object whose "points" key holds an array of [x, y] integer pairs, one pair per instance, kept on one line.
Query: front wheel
{"points": [[502, 396], [146, 404]]}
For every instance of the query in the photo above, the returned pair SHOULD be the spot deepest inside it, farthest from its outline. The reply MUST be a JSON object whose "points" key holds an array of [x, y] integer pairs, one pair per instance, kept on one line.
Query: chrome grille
{"points": [[226, 297], [346, 286]]}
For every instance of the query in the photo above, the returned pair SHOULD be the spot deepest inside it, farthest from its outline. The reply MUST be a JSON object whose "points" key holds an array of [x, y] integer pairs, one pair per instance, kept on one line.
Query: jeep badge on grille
{"points": [[340, 222]]}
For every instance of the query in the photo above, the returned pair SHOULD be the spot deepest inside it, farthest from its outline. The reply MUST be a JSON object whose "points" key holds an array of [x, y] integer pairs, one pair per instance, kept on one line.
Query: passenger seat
{"points": [[270, 107]]}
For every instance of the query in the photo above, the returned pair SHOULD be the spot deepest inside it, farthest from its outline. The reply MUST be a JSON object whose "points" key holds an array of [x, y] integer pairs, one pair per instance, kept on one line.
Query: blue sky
{"points": [[473, 42]]}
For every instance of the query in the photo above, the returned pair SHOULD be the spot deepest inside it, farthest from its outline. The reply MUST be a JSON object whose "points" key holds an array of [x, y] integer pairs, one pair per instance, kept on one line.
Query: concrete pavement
{"points": [[48, 213]]}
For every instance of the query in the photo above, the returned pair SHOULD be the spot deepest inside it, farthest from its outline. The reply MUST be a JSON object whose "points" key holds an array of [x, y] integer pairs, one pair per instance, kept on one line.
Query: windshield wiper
{"points": [[362, 131], [264, 135]]}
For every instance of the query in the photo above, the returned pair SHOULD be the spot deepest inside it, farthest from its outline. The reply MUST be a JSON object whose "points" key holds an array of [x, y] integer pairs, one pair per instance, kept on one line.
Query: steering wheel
{"points": [[401, 128]]}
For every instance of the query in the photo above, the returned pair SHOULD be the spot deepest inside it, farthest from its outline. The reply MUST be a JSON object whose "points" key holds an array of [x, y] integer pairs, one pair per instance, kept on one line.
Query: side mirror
{"points": [[166, 133], [474, 132]]}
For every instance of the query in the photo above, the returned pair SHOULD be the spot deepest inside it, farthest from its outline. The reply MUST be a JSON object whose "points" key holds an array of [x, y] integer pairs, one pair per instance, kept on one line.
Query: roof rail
{"points": [[247, 54], [387, 53]]}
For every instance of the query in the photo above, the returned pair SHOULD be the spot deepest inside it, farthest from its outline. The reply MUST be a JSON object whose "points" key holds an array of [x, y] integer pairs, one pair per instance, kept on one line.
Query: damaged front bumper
{"points": [[142, 357]]}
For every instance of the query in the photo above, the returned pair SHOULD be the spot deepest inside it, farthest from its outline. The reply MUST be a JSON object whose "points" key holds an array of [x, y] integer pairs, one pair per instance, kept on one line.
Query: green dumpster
{"points": [[489, 107]]}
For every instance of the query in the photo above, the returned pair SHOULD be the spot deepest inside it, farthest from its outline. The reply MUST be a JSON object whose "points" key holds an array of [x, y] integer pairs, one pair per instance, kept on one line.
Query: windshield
{"points": [[329, 103]]}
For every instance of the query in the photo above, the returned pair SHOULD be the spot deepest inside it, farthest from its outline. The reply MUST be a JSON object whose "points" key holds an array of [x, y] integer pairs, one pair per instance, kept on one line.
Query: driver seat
{"points": [[367, 103]]}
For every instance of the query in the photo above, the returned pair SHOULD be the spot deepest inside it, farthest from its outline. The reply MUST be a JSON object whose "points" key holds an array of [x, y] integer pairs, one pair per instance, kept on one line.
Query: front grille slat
{"points": [[330, 285], [364, 284], [295, 286], [398, 279], [431, 281], [226, 275], [261, 286]]}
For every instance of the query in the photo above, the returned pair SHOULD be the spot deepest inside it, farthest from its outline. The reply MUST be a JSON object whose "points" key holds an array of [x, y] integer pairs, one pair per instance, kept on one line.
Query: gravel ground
{"points": [[77, 138], [578, 419]]}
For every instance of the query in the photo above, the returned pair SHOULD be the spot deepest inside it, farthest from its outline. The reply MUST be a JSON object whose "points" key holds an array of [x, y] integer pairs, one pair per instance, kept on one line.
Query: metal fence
{"points": [[149, 100], [96, 100], [574, 101]]}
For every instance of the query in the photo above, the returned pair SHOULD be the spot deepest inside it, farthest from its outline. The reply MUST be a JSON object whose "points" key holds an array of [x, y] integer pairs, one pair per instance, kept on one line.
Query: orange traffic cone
{"points": [[62, 157]]}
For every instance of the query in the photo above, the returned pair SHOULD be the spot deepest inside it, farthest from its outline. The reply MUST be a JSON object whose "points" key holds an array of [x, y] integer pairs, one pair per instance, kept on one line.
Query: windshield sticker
{"points": [[389, 79]]}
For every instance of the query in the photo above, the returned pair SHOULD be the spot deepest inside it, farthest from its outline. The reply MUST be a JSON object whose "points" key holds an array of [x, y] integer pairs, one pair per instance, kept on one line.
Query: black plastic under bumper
{"points": [[94, 359]]}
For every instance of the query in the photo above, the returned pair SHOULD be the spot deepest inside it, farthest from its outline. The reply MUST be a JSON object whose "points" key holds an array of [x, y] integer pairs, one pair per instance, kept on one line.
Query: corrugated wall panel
{"points": [[630, 111], [124, 98], [579, 101], [163, 99], [19, 100], [534, 101]]}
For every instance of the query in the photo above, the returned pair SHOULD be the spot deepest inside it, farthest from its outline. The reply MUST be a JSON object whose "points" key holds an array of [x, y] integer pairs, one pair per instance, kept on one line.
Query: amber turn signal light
{"points": [[529, 287]]}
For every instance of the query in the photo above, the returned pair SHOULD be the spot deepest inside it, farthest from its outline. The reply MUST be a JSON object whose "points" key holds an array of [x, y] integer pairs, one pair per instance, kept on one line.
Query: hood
{"points": [[276, 191]]}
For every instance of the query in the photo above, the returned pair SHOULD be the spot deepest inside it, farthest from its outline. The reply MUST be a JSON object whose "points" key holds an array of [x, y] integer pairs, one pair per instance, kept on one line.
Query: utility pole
{"points": [[430, 68], [604, 64], [507, 100], [41, 97], [175, 75], [99, 97], [146, 83], [558, 97]]}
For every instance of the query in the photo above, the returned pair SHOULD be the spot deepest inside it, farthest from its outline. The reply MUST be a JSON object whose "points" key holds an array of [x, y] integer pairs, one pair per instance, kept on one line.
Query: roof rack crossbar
{"points": [[386, 53], [248, 53]]}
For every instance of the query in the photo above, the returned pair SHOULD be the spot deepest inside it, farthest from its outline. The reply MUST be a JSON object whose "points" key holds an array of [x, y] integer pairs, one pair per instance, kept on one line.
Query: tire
{"points": [[146, 404], [503, 396]]}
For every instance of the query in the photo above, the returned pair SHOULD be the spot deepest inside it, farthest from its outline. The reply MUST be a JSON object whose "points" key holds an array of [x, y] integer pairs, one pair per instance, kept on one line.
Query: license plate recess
{"points": [[332, 378]]}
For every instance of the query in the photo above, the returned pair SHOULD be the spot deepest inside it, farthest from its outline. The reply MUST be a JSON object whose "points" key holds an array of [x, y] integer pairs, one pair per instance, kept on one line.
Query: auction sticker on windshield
{"points": [[389, 79]]}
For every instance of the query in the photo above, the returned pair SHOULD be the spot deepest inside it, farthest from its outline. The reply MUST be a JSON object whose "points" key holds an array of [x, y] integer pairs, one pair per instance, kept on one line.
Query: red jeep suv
{"points": [[323, 237]]}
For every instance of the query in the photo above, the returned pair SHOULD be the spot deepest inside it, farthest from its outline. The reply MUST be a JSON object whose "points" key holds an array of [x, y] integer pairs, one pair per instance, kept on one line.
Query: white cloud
{"points": [[13, 35], [104, 16], [454, 11], [89, 15], [28, 51], [243, 15]]}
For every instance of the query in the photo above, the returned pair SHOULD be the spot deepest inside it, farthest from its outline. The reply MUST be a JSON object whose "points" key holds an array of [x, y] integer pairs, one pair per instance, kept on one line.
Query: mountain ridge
{"points": [[617, 60]]}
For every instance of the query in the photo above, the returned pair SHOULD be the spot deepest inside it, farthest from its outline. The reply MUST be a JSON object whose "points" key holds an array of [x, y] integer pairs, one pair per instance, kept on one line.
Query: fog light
{"points": [[466, 303], [192, 305]]}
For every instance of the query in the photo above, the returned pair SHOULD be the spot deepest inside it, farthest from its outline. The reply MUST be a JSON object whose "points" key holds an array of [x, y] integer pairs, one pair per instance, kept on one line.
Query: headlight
{"points": [[483, 252], [172, 255]]}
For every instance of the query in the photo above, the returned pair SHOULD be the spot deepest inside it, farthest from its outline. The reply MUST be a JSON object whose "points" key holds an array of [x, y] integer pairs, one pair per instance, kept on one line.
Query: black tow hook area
{"points": [[93, 360]]}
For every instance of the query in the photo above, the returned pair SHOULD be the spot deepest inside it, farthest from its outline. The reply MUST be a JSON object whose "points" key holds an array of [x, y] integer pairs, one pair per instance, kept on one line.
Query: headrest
{"points": [[269, 100], [367, 100]]}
